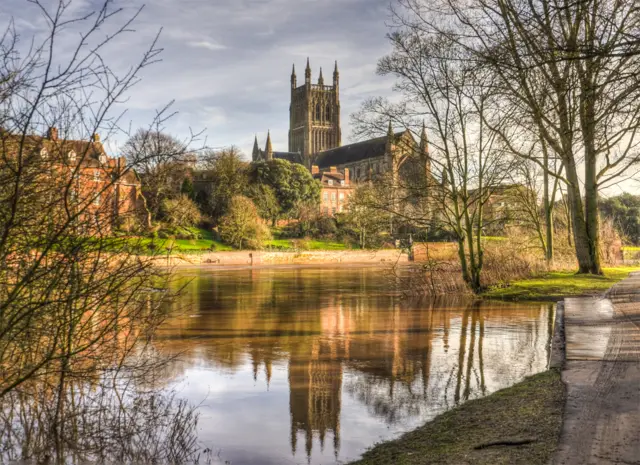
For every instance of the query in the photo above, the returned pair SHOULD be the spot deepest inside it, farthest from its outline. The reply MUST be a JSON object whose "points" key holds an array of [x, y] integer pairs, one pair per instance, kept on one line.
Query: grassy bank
{"points": [[518, 425], [207, 243], [558, 284]]}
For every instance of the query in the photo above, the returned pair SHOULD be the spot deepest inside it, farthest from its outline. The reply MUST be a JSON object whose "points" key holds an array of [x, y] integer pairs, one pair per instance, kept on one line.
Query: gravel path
{"points": [[602, 374]]}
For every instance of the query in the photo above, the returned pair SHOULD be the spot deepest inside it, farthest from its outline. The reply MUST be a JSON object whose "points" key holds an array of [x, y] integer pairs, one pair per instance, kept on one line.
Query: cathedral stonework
{"points": [[315, 138], [314, 115]]}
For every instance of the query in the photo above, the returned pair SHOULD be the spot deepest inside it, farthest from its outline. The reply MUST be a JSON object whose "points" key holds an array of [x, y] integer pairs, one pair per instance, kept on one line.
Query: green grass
{"points": [[313, 244], [207, 243], [149, 246], [530, 411], [559, 284]]}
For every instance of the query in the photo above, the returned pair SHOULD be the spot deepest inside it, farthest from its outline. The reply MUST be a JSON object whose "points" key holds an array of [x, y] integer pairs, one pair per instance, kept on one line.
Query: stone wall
{"points": [[257, 258]]}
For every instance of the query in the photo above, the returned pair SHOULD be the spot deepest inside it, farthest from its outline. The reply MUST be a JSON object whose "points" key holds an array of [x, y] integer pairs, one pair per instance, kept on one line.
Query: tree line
{"points": [[503, 83]]}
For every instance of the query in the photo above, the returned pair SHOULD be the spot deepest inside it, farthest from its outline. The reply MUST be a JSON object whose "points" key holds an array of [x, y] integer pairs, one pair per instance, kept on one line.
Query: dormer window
{"points": [[330, 182], [44, 153], [103, 159], [72, 156], [342, 182]]}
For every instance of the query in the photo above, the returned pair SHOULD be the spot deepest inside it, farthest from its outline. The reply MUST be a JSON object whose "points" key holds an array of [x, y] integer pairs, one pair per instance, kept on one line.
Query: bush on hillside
{"points": [[241, 226], [181, 212]]}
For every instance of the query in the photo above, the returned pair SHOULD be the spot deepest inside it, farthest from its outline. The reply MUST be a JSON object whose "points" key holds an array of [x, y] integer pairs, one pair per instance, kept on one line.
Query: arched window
{"points": [[327, 113], [318, 112]]}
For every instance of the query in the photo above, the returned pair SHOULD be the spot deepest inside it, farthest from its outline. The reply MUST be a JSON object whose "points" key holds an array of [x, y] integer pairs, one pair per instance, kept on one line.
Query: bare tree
{"points": [[75, 303], [162, 162], [464, 164], [563, 71], [535, 200], [223, 175]]}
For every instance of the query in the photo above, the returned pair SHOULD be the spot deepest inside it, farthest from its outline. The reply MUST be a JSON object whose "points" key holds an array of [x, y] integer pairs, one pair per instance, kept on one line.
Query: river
{"points": [[315, 365]]}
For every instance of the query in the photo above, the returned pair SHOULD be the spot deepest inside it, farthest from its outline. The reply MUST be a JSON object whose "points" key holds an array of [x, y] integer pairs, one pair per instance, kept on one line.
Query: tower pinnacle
{"points": [[321, 79], [269, 148], [293, 77], [424, 141], [255, 154], [307, 72]]}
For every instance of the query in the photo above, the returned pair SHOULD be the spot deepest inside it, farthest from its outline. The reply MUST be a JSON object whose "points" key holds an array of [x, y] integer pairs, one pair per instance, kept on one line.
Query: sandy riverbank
{"points": [[244, 259]]}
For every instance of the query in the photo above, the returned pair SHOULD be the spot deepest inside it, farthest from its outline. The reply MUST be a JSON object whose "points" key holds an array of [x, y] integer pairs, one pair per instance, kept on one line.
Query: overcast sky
{"points": [[227, 63]]}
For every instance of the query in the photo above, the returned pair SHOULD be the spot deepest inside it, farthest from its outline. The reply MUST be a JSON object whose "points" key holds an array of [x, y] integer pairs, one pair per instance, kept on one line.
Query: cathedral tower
{"points": [[314, 115]]}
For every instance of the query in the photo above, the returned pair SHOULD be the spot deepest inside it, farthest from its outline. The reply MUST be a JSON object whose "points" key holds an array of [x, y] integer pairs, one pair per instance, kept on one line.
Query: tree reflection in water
{"points": [[104, 405], [338, 338], [108, 421]]}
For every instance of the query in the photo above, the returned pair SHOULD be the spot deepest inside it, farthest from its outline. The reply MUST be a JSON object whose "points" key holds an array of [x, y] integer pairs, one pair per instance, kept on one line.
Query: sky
{"points": [[226, 64]]}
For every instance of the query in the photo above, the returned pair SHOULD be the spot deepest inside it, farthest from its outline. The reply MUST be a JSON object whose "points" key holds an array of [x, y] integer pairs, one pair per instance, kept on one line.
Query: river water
{"points": [[315, 365]]}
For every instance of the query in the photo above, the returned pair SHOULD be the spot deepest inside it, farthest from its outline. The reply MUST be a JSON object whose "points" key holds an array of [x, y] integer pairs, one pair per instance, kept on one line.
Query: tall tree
{"points": [[293, 185], [437, 85], [226, 175], [563, 71], [75, 318], [160, 162]]}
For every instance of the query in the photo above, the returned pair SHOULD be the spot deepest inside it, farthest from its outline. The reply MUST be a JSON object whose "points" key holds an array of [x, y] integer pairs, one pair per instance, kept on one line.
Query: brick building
{"points": [[335, 191], [76, 181]]}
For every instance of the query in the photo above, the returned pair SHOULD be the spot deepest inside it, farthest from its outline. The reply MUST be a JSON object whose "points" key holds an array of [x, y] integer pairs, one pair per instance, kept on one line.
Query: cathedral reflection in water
{"points": [[338, 333]]}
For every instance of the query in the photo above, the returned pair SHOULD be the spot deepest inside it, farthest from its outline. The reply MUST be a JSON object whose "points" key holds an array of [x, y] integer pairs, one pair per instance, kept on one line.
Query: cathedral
{"points": [[315, 138]]}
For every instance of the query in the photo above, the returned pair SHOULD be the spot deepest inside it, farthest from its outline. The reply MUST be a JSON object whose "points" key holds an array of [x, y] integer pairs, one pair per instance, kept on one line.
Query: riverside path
{"points": [[602, 374]]}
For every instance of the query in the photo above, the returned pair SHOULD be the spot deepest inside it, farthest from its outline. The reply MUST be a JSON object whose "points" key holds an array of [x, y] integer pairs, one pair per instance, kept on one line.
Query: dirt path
{"points": [[602, 374]]}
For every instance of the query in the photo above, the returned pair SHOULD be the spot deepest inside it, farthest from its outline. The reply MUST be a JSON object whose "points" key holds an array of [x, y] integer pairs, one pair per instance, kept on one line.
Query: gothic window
{"points": [[327, 113], [318, 112]]}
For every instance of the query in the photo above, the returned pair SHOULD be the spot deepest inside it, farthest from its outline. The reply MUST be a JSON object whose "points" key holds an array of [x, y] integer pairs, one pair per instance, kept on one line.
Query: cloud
{"points": [[208, 45], [226, 64]]}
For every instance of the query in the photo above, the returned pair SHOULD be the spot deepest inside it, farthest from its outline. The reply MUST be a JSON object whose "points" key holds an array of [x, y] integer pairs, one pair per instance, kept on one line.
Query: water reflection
{"points": [[354, 362]]}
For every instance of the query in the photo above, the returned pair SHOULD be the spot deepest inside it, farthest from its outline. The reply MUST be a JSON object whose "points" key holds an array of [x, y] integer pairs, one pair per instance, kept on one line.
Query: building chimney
{"points": [[95, 137], [333, 169], [52, 133], [315, 169], [346, 176]]}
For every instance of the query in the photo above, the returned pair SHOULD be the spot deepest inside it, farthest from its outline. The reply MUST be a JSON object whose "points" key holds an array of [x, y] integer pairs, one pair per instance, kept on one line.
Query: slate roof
{"points": [[352, 153], [88, 153], [293, 157], [326, 175]]}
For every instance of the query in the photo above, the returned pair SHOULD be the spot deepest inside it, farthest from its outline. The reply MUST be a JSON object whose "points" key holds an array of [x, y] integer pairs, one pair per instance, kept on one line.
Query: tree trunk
{"points": [[591, 214], [548, 215], [582, 241]]}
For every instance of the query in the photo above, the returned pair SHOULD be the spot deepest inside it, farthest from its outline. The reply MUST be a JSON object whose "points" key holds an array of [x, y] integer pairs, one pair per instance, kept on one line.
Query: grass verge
{"points": [[517, 425], [558, 284], [312, 244]]}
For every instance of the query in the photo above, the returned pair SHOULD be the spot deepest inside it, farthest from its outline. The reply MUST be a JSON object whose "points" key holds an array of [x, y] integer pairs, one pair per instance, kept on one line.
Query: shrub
{"points": [[241, 226], [181, 212], [129, 225]]}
